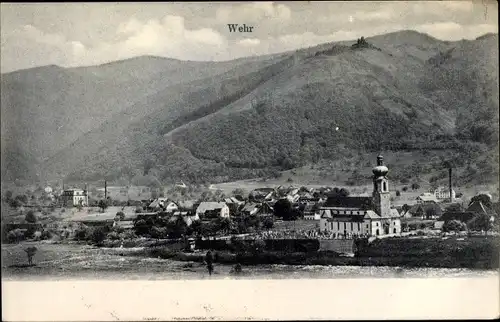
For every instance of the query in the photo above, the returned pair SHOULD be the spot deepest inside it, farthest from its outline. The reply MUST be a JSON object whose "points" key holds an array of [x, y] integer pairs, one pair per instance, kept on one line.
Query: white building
{"points": [[365, 216], [75, 197], [210, 209], [444, 193]]}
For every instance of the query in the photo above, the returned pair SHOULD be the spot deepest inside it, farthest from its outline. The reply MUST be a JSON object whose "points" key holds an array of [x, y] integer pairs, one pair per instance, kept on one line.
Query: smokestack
{"points": [[105, 189], [449, 175]]}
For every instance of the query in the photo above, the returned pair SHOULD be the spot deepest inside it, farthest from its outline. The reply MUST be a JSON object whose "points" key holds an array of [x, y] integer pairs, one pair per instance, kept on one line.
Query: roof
{"points": [[158, 202], [479, 208], [209, 205], [187, 204], [350, 202], [250, 206], [427, 196]]}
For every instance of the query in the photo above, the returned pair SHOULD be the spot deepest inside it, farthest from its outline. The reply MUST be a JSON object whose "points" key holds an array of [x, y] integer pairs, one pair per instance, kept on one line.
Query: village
{"points": [[330, 215]]}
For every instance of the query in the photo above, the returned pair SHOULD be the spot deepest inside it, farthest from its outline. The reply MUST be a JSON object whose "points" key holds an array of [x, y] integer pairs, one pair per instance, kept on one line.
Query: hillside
{"points": [[198, 121]]}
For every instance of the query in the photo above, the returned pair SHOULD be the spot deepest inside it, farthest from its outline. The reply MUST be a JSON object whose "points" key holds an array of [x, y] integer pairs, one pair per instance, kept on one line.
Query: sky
{"points": [[81, 34]]}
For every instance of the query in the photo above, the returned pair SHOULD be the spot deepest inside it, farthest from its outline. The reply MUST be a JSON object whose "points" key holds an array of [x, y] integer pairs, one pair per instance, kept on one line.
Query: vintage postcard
{"points": [[250, 161]]}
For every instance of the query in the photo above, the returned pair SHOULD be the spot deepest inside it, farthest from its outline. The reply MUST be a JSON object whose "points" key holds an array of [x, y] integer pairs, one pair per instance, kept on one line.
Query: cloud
{"points": [[254, 12], [166, 37], [453, 31], [249, 42]]}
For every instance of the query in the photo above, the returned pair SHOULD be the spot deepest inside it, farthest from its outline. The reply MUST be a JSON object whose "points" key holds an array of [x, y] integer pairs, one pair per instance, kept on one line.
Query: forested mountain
{"points": [[206, 121]]}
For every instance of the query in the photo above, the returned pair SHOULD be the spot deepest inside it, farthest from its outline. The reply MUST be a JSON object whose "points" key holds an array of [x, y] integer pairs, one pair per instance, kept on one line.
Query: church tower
{"points": [[381, 195]]}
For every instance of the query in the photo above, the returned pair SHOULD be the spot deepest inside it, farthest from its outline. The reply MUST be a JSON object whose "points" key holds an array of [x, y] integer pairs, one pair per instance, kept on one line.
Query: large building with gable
{"points": [[363, 216]]}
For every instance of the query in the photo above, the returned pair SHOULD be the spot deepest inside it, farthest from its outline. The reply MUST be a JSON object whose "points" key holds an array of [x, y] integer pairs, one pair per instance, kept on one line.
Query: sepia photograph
{"points": [[252, 143]]}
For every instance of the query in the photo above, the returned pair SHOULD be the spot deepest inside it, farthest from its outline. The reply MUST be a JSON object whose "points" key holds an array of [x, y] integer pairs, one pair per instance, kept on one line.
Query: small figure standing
{"points": [[209, 260]]}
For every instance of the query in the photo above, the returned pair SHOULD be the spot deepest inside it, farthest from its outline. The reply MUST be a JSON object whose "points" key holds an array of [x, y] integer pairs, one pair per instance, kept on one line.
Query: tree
{"points": [[103, 204], [30, 252], [405, 208], [7, 196], [431, 212], [484, 199], [267, 223], [141, 227], [405, 188], [98, 235], [453, 226], [223, 225], [30, 217], [415, 186], [120, 216], [455, 207], [282, 208], [238, 192], [481, 222], [15, 236], [398, 193], [176, 228], [419, 212]]}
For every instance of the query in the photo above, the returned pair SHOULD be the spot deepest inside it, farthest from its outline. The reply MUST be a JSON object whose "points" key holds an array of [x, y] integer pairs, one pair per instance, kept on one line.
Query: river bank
{"points": [[390, 257], [80, 262]]}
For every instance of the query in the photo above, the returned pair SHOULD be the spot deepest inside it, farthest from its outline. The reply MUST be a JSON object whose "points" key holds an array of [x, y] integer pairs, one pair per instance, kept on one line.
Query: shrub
{"points": [[398, 193], [138, 210]]}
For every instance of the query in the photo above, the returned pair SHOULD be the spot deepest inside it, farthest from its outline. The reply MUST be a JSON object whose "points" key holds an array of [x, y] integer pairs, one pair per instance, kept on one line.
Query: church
{"points": [[363, 216]]}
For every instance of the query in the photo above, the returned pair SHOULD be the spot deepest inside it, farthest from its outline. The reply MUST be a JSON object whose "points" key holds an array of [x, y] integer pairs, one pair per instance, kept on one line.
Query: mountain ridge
{"points": [[289, 104]]}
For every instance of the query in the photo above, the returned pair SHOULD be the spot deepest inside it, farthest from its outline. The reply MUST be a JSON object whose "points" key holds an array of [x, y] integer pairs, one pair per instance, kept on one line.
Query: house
{"points": [[187, 216], [363, 215], [424, 211], [234, 204], [442, 193], [208, 209], [426, 197], [262, 194], [290, 193], [310, 212], [163, 204], [75, 197], [186, 205], [257, 209]]}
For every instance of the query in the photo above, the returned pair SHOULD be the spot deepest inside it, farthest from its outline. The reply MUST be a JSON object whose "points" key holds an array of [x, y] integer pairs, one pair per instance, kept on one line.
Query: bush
{"points": [[398, 193], [138, 210]]}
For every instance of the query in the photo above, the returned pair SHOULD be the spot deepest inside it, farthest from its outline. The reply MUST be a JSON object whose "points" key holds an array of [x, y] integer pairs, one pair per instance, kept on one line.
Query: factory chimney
{"points": [[451, 189], [105, 189]]}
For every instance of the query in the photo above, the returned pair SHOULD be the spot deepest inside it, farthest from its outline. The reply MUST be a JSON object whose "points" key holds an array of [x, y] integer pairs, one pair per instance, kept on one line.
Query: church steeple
{"points": [[381, 194]]}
